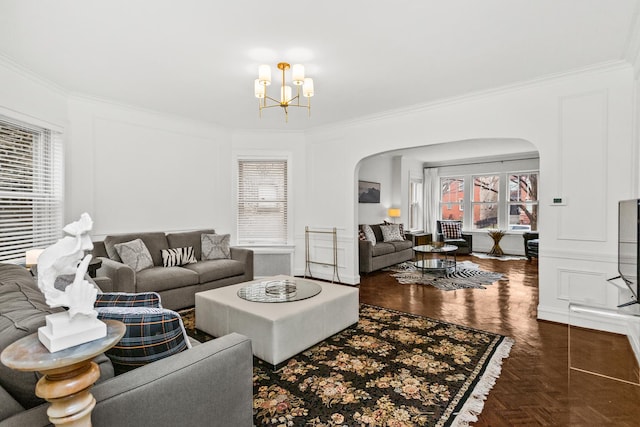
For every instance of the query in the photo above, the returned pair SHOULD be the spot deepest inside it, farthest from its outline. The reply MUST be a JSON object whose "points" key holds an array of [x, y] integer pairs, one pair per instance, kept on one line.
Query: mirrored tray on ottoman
{"points": [[285, 290]]}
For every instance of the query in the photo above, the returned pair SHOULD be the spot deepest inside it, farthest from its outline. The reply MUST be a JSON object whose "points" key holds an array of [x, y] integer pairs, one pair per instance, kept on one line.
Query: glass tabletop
{"points": [[283, 290], [435, 248]]}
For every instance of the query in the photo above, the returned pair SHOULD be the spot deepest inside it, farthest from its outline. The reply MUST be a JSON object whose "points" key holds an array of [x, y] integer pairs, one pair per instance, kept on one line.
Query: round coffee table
{"points": [[444, 263]]}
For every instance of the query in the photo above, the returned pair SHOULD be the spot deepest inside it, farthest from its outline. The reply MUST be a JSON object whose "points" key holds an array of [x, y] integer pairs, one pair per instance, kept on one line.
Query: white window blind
{"points": [[262, 202], [30, 188]]}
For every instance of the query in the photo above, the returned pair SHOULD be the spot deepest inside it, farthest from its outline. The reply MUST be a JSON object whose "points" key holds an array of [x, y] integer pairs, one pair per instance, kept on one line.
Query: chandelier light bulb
{"points": [[297, 74], [285, 94], [259, 89], [264, 74], [307, 88]]}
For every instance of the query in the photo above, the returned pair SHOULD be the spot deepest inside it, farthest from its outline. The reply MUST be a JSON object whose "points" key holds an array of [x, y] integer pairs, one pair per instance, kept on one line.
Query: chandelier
{"points": [[286, 100]]}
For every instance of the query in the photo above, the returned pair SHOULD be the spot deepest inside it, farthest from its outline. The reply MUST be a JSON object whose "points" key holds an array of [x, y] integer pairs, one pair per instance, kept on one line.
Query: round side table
{"points": [[68, 374]]}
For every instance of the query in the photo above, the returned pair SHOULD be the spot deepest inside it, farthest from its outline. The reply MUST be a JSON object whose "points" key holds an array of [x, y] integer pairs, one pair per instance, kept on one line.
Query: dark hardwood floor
{"points": [[536, 386]]}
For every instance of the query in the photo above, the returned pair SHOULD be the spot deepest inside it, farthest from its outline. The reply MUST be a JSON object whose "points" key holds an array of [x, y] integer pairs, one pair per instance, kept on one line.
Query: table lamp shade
{"points": [[31, 256], [394, 212]]}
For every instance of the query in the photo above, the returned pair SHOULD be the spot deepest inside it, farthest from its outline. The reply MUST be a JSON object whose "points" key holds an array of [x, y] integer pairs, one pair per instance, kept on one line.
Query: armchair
{"points": [[530, 245], [464, 242]]}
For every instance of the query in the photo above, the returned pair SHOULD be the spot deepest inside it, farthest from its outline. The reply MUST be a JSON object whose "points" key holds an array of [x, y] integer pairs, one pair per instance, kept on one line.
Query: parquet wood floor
{"points": [[536, 387]]}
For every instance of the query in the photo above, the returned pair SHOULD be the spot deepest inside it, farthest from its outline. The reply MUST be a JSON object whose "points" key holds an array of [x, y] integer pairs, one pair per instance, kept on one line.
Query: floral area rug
{"points": [[466, 275], [391, 369]]}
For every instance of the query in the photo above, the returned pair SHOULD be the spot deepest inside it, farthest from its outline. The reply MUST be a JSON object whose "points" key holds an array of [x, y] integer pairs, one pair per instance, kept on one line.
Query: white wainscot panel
{"points": [[583, 180], [585, 287]]}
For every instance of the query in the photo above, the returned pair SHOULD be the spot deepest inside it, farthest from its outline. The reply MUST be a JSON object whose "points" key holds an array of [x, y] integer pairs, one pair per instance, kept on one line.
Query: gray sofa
{"points": [[177, 286], [209, 384], [382, 254]]}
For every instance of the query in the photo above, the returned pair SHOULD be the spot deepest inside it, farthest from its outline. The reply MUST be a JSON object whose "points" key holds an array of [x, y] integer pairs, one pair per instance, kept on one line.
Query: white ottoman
{"points": [[277, 330]]}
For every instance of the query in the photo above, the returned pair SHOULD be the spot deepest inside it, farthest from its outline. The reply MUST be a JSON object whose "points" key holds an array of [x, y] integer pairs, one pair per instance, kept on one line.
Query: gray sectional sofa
{"points": [[382, 254], [209, 384], [177, 286]]}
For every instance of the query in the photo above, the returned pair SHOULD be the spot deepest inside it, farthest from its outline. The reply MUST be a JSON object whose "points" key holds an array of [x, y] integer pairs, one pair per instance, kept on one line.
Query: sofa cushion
{"points": [[151, 334], [154, 241], [134, 254], [383, 248], [377, 232], [217, 269], [176, 257], [215, 246], [391, 233], [158, 279], [402, 245], [123, 299], [23, 309], [188, 238]]}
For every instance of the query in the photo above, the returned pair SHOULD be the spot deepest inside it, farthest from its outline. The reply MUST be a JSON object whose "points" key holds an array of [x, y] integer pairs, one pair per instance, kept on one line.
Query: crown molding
{"points": [[598, 68], [9, 63]]}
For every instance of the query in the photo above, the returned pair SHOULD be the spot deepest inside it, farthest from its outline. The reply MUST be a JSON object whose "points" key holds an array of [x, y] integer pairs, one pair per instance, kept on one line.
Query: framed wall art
{"points": [[368, 192]]}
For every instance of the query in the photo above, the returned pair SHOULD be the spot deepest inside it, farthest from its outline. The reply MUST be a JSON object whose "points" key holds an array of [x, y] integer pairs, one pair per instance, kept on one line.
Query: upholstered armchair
{"points": [[450, 232], [530, 245]]}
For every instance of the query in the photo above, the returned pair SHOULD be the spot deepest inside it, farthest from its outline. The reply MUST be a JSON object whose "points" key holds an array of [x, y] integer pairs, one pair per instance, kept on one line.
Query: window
{"points": [[262, 202], [486, 191], [523, 201], [415, 204], [452, 198], [31, 199]]}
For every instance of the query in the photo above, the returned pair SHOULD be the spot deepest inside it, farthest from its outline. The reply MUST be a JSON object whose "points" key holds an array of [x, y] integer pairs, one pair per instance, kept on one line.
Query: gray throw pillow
{"points": [[215, 246], [369, 234], [391, 233], [134, 254]]}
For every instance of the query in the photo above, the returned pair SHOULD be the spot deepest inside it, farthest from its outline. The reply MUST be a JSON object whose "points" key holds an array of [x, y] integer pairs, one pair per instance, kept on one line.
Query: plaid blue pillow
{"points": [[151, 334], [123, 299]]}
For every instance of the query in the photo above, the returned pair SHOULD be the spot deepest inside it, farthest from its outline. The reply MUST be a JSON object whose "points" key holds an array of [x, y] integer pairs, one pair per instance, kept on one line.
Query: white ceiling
{"points": [[198, 58]]}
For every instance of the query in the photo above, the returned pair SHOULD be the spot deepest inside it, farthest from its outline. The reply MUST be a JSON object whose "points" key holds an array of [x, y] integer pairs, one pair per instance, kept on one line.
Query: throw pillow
{"points": [[401, 226], [215, 246], [178, 256], [361, 235], [151, 334], [391, 233], [369, 234], [123, 299], [451, 229], [134, 254]]}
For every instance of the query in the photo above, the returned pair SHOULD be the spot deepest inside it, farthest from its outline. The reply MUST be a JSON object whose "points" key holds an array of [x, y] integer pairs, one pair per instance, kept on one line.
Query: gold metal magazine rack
{"points": [[307, 257]]}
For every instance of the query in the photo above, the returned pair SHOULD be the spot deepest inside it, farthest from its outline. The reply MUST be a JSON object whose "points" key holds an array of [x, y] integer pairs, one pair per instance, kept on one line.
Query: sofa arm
{"points": [[207, 385], [245, 256], [123, 278], [365, 256]]}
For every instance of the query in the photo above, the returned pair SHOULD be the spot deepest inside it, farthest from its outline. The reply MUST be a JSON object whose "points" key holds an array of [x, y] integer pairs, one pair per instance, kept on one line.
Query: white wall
{"points": [[134, 170], [582, 126], [377, 169]]}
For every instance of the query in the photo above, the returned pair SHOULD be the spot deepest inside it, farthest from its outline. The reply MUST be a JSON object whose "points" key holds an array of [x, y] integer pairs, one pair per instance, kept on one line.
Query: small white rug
{"points": [[501, 257]]}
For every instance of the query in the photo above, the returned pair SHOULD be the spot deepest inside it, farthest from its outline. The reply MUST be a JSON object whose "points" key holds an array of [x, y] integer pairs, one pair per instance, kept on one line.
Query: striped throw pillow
{"points": [[178, 256], [151, 334]]}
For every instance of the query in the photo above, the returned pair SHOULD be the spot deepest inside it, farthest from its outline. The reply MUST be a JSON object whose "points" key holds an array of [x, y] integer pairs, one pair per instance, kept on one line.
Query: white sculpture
{"points": [[64, 257], [79, 324]]}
